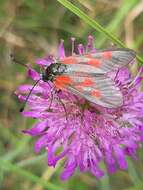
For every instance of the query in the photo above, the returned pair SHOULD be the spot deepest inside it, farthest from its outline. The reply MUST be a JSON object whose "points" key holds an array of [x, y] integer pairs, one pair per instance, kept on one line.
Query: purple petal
{"points": [[38, 128], [61, 50], [119, 154], [69, 168], [90, 44], [33, 114], [110, 162], [33, 74], [97, 172], [41, 142], [130, 152], [26, 88], [45, 61], [52, 159], [81, 49]]}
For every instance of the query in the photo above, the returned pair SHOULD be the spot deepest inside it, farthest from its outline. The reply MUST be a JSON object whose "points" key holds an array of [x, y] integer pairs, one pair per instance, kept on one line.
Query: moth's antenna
{"points": [[16, 61], [25, 102], [64, 108], [20, 63]]}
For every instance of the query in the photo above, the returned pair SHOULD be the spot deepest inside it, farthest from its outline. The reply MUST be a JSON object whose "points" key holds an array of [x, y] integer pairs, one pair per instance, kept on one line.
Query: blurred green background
{"points": [[31, 29]]}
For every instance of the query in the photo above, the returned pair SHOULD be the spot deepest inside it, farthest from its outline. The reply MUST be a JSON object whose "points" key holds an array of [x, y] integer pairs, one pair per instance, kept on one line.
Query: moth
{"points": [[86, 75]]}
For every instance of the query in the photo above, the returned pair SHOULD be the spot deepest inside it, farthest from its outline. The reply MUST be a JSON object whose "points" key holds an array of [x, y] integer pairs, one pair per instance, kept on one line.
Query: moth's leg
{"points": [[58, 91], [66, 114], [52, 98], [116, 75], [61, 102]]}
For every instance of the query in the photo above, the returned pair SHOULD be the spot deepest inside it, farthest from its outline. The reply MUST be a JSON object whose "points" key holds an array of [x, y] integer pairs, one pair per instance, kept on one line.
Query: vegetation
{"points": [[31, 29]]}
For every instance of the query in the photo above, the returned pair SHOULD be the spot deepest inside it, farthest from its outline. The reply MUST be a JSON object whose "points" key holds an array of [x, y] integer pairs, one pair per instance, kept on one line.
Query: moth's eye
{"points": [[54, 70]]}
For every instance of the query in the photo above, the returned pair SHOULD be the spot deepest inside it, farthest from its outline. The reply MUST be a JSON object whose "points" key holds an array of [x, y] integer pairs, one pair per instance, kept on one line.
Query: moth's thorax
{"points": [[52, 71]]}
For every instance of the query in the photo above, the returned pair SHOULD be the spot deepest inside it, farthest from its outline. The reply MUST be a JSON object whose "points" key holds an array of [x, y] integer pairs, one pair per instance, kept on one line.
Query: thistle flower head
{"points": [[85, 134]]}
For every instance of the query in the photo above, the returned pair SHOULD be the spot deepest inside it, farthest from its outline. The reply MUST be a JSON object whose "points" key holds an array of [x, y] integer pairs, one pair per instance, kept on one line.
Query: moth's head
{"points": [[49, 73]]}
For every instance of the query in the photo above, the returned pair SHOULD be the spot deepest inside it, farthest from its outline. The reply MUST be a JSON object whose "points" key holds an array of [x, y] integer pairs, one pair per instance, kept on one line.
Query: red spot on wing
{"points": [[96, 93], [107, 55], [61, 81], [69, 60], [94, 62], [64, 79], [87, 82]]}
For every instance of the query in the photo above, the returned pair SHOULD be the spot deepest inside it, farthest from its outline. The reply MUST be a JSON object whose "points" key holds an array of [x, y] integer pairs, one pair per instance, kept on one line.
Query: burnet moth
{"points": [[86, 75]]}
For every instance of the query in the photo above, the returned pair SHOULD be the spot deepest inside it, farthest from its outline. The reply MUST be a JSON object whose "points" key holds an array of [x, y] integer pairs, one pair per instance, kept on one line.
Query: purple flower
{"points": [[83, 133]]}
